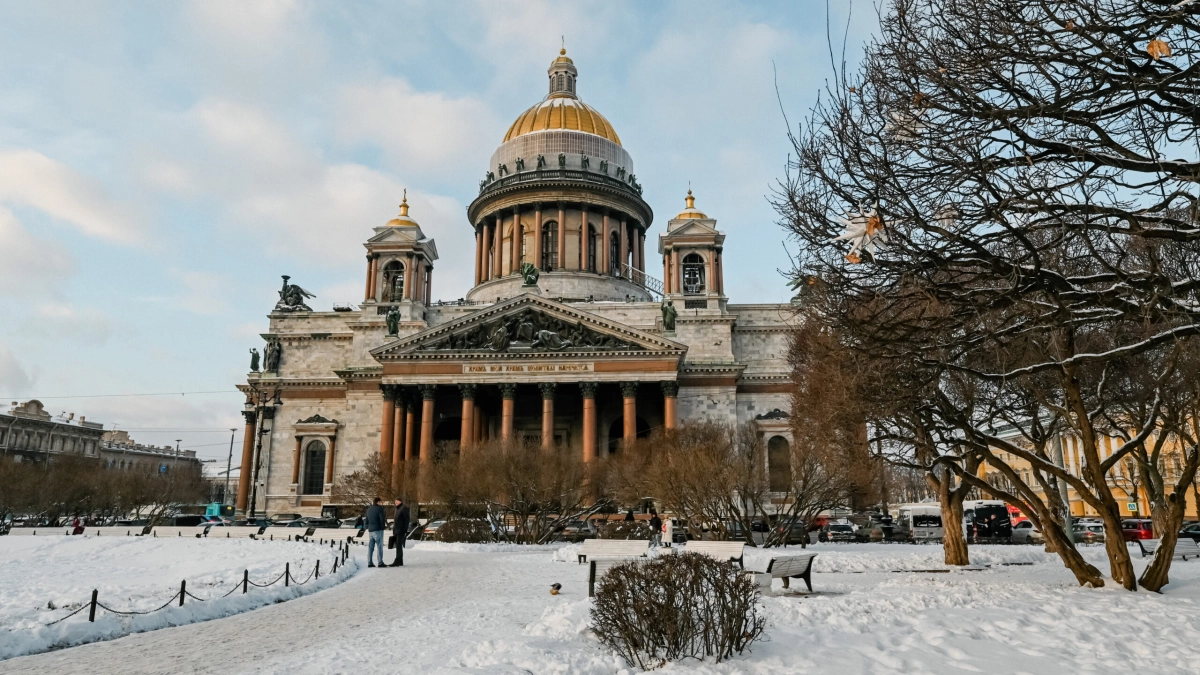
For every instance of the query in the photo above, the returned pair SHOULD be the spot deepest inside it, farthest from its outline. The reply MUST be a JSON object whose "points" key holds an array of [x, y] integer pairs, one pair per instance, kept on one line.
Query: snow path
{"points": [[383, 620]]}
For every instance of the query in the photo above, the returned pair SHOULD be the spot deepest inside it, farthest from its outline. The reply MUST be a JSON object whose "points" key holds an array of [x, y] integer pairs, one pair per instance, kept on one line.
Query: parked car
{"points": [[1191, 531], [1086, 533], [1025, 532], [1134, 529], [837, 532], [323, 523], [431, 528], [576, 530], [798, 534]]}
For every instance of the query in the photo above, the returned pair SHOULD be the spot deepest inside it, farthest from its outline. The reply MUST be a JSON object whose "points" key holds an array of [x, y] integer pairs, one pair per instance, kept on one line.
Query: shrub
{"points": [[464, 531], [624, 529], [676, 606]]}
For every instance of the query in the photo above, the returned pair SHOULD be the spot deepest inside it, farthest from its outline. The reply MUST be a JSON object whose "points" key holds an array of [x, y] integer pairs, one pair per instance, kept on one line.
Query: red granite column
{"points": [[388, 423], [508, 393], [296, 463], [629, 412], [428, 392], [589, 420], [247, 459], [467, 433], [547, 414]]}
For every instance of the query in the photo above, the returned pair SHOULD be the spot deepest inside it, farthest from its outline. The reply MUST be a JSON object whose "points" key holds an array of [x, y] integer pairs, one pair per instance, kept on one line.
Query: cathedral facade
{"points": [[567, 337]]}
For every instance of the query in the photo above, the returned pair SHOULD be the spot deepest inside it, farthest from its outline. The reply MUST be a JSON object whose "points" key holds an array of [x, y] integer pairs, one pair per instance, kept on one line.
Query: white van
{"points": [[921, 522]]}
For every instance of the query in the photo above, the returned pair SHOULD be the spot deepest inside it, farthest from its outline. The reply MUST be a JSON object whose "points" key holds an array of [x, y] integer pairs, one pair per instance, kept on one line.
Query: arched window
{"points": [[693, 274], [560, 81], [393, 281], [593, 245], [571, 84], [614, 255], [314, 468], [779, 463], [549, 246]]}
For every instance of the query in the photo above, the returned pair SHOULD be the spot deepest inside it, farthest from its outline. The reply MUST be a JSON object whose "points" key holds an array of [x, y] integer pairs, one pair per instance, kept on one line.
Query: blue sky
{"points": [[162, 164]]}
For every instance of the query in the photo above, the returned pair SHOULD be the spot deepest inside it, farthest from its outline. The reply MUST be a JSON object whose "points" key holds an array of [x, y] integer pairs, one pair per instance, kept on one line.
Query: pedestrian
{"points": [[655, 529], [669, 531], [76, 526], [629, 516], [376, 522], [400, 531], [358, 523]]}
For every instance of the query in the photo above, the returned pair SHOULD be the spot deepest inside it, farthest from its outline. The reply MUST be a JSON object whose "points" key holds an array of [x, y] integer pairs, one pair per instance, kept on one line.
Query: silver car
{"points": [[1025, 532]]}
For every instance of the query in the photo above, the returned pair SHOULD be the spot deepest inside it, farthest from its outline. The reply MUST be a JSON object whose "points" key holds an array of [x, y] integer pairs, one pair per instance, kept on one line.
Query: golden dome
{"points": [[691, 212], [563, 58], [562, 112], [403, 220]]}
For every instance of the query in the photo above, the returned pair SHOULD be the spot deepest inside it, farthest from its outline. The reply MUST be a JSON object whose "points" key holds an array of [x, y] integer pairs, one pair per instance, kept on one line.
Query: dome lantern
{"points": [[562, 76], [403, 220]]}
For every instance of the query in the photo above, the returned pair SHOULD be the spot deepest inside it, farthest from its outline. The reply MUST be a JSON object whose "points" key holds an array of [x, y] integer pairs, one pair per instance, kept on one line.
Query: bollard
{"points": [[287, 573], [335, 565], [182, 591], [245, 581], [318, 572], [92, 611]]}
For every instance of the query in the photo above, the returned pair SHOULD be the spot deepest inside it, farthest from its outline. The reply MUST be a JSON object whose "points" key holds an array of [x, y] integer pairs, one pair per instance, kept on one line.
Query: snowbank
{"points": [[141, 574]]}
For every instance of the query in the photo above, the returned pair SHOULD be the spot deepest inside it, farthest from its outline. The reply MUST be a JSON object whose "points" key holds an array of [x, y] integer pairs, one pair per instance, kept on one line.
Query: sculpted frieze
{"points": [[527, 331]]}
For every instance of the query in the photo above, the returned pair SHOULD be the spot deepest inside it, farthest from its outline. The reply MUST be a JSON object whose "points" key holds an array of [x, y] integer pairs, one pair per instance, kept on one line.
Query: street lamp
{"points": [[228, 466]]}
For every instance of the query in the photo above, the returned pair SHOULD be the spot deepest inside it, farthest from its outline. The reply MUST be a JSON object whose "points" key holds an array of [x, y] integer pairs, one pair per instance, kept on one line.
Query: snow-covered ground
{"points": [[46, 578], [487, 609]]}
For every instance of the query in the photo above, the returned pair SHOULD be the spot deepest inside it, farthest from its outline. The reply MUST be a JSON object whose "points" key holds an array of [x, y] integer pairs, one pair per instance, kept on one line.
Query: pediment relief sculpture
{"points": [[527, 330]]}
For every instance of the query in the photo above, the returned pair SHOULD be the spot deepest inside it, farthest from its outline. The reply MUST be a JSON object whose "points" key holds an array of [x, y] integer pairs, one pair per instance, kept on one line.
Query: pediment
{"points": [[528, 325], [692, 228]]}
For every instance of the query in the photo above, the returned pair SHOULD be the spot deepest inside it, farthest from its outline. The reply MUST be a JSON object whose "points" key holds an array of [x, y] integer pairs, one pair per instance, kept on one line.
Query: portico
{"points": [[530, 369]]}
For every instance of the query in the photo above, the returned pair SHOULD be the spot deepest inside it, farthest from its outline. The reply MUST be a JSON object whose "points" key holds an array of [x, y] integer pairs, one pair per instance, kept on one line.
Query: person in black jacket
{"points": [[400, 531], [376, 524]]}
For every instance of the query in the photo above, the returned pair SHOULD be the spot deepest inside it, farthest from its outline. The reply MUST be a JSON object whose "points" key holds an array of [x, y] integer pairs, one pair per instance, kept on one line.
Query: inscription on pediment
{"points": [[527, 331]]}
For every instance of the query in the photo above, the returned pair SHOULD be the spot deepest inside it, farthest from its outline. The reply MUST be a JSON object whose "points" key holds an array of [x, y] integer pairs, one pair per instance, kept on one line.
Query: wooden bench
{"points": [[598, 566], [792, 567], [1184, 548], [613, 548], [721, 550]]}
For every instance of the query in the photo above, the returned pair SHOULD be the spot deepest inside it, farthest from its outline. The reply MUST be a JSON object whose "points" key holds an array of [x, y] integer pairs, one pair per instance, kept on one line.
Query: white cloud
{"points": [[62, 321], [30, 266], [29, 178], [15, 380], [429, 131]]}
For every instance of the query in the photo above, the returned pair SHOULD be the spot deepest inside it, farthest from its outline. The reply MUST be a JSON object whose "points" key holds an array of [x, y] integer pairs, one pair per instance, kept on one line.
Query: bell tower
{"points": [[399, 268], [693, 272]]}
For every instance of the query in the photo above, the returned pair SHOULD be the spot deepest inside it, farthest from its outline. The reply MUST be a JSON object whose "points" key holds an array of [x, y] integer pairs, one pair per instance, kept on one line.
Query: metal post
{"points": [[245, 581], [92, 611], [1062, 487], [182, 591], [318, 572], [287, 573], [228, 466]]}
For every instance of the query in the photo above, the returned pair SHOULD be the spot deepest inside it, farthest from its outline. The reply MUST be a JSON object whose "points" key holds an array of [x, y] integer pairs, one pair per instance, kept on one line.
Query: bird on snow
{"points": [[555, 588]]}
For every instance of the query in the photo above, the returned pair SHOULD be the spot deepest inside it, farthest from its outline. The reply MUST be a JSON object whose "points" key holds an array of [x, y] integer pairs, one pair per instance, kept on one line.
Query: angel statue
{"points": [[863, 229], [254, 360], [291, 298], [392, 318]]}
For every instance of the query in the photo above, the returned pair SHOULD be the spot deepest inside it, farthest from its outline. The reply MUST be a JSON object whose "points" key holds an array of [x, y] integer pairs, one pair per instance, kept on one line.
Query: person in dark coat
{"points": [[400, 531], [629, 516], [376, 525], [655, 529]]}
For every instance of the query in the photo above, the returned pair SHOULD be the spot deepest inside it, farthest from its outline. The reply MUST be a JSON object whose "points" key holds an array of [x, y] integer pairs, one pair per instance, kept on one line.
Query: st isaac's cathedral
{"points": [[566, 338]]}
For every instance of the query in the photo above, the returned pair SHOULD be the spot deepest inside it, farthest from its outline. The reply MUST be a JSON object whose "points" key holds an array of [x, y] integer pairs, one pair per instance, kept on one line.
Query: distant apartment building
{"points": [[30, 434], [119, 451]]}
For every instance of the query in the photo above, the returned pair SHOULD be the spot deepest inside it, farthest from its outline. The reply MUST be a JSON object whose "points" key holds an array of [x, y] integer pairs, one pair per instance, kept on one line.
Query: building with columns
{"points": [[602, 347]]}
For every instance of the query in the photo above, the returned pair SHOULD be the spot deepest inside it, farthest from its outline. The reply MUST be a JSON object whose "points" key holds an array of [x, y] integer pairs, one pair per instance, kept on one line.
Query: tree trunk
{"points": [[1154, 577], [954, 542], [1119, 562], [1085, 573]]}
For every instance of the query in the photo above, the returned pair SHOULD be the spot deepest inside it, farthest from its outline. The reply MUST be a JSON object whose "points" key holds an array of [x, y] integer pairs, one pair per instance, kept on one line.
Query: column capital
{"points": [[547, 390], [629, 389], [468, 391], [508, 391], [250, 415], [670, 388], [428, 392], [390, 392], [588, 389]]}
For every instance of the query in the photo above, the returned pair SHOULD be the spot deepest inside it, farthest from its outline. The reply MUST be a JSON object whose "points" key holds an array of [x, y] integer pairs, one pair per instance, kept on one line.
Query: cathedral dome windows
{"points": [[549, 245]]}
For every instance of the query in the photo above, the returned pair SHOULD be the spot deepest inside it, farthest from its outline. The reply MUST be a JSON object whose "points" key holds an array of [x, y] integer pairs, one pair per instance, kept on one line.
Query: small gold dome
{"points": [[691, 212], [403, 220]]}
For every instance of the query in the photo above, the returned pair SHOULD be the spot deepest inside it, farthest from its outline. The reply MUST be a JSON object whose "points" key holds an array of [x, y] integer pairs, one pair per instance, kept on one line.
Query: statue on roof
{"points": [[668, 315], [393, 321], [254, 360], [529, 273], [292, 297]]}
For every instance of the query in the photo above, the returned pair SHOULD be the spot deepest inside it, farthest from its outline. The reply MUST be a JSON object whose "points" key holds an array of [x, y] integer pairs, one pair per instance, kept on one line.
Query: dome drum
{"points": [[575, 145]]}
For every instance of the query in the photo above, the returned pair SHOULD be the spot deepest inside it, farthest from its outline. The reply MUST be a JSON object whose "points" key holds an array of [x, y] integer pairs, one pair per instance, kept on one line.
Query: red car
{"points": [[1135, 529]]}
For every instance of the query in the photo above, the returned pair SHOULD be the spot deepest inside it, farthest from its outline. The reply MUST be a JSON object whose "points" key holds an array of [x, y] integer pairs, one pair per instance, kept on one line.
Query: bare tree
{"points": [[1008, 174]]}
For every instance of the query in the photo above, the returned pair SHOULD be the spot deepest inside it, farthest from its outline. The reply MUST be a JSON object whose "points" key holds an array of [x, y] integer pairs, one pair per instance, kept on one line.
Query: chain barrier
{"points": [[286, 577]]}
